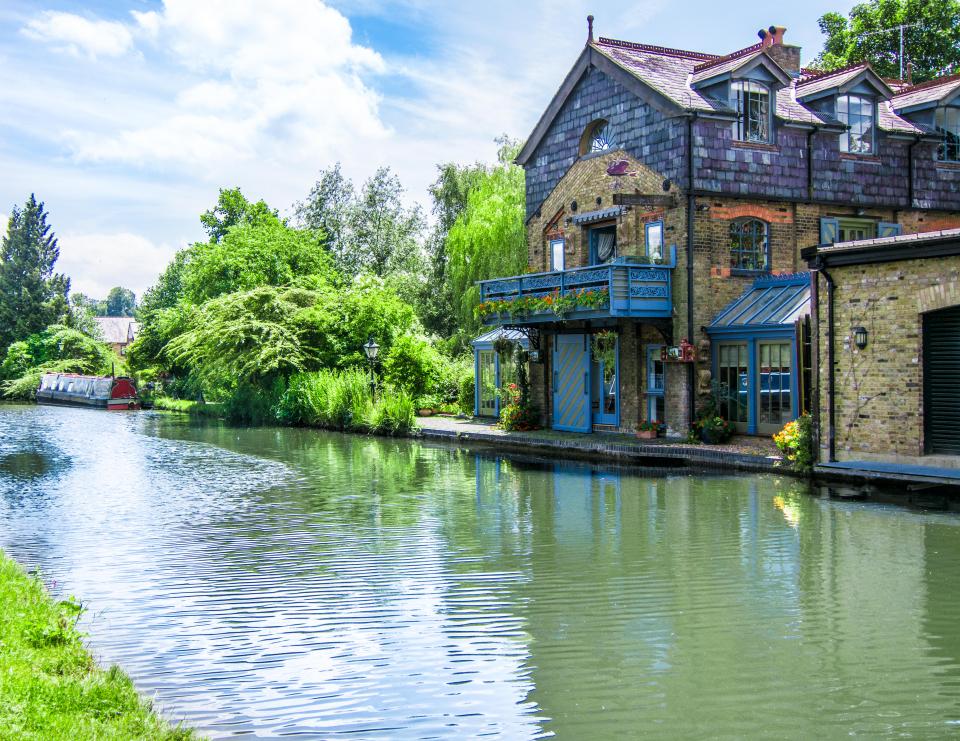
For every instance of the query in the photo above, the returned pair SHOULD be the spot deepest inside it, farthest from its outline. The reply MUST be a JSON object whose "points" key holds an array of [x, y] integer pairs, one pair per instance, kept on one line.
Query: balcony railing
{"points": [[633, 290]]}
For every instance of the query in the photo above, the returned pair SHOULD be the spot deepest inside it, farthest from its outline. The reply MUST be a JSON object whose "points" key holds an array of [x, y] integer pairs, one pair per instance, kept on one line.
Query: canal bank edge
{"points": [[52, 687]]}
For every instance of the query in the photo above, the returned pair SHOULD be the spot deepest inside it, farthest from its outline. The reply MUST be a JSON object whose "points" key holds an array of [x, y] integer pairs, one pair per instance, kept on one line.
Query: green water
{"points": [[270, 582]]}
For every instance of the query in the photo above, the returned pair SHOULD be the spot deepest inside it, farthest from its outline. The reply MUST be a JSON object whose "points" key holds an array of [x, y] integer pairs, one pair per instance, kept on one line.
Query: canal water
{"points": [[276, 581]]}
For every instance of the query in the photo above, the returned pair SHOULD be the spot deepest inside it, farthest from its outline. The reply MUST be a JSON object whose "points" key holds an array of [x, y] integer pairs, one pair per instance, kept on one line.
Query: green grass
{"points": [[50, 686], [186, 406]]}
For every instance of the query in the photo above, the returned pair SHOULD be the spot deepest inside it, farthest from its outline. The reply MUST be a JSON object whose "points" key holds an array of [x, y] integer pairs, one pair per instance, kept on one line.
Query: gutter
{"points": [[810, 135], [914, 143], [831, 369], [691, 207]]}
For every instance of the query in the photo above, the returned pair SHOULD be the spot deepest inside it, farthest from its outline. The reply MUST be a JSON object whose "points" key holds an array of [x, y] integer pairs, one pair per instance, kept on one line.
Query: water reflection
{"points": [[287, 581]]}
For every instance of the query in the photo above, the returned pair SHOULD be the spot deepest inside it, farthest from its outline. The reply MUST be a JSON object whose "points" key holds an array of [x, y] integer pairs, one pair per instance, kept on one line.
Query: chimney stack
{"points": [[786, 55], [589, 29]]}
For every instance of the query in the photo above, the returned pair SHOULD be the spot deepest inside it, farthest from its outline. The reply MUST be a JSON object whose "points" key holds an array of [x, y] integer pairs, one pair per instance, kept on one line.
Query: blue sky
{"points": [[126, 117]]}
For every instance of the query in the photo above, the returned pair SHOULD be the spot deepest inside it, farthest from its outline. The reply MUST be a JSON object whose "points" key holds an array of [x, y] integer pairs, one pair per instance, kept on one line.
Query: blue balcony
{"points": [[634, 291]]}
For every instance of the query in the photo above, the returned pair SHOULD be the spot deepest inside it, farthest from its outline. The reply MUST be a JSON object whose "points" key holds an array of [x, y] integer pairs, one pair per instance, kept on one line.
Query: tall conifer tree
{"points": [[32, 296]]}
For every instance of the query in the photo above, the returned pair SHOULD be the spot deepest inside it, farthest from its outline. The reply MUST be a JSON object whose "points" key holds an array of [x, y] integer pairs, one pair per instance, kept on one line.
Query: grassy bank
{"points": [[187, 407], [50, 686]]}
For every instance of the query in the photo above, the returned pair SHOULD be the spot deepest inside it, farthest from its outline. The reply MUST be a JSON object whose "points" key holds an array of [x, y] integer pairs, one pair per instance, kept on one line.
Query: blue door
{"points": [[604, 388], [571, 383]]}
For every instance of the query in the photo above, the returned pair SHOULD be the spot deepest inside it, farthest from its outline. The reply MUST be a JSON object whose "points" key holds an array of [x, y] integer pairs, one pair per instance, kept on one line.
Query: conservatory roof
{"points": [[775, 301], [487, 339]]}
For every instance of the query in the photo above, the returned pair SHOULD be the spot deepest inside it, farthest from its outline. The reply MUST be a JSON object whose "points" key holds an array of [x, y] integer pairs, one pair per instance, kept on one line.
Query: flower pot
{"points": [[425, 412], [647, 434]]}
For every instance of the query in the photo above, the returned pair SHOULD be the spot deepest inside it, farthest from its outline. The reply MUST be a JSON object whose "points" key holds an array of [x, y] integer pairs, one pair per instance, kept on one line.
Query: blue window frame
{"points": [[655, 383], [749, 246], [654, 240], [556, 254], [603, 244]]}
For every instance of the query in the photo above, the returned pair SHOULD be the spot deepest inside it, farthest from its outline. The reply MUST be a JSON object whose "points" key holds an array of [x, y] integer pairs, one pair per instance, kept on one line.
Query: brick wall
{"points": [[879, 390]]}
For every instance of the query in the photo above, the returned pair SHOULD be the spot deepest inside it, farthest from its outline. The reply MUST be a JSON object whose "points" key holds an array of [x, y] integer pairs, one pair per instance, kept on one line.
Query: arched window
{"points": [[596, 137], [749, 245]]}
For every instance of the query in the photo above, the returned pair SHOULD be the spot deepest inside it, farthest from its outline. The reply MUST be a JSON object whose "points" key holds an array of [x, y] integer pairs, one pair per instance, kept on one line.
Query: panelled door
{"points": [[571, 382], [941, 381]]}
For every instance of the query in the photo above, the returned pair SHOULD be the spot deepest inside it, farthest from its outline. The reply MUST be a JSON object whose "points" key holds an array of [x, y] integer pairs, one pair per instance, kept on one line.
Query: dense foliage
{"points": [[795, 441], [488, 238], [931, 37], [32, 296]]}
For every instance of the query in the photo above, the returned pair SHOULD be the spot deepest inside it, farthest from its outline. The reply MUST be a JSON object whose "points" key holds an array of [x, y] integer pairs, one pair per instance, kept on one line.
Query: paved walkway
{"points": [[876, 470], [745, 453]]}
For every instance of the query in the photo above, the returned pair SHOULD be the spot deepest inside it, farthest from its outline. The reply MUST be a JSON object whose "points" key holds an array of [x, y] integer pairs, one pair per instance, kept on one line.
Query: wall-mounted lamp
{"points": [[573, 205], [860, 337]]}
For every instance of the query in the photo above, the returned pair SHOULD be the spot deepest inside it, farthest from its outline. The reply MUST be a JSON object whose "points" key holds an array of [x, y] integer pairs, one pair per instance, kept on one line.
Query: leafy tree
{"points": [[488, 238], [871, 33], [413, 365], [328, 209], [121, 302], [268, 253], [32, 296], [233, 209], [372, 231], [96, 307]]}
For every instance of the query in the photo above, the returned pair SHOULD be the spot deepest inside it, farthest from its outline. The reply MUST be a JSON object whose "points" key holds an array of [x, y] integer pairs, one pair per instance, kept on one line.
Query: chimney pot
{"points": [[589, 28]]}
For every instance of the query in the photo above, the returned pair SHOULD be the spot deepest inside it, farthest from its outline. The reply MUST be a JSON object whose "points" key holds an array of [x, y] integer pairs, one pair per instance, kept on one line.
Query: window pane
{"points": [[556, 254], [655, 240]]}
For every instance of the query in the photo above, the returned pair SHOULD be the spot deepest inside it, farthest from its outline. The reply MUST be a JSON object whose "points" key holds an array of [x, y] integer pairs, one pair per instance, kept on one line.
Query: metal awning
{"points": [[590, 217]]}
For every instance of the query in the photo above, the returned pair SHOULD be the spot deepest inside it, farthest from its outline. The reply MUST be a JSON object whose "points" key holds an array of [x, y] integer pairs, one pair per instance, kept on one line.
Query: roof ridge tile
{"points": [[665, 50], [817, 75], [732, 55], [944, 80]]}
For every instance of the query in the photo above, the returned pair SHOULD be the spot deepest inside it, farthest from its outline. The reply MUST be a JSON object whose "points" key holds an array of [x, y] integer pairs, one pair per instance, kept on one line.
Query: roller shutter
{"points": [[941, 380]]}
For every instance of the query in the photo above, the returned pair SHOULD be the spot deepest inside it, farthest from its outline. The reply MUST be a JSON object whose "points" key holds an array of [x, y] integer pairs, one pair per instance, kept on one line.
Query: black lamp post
{"points": [[371, 350]]}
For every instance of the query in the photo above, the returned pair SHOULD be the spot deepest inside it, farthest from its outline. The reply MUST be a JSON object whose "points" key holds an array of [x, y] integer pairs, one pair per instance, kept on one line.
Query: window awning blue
{"points": [[590, 217], [775, 301]]}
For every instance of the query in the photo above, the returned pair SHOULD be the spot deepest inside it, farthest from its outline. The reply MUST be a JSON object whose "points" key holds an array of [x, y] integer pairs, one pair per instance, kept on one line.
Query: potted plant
{"points": [[715, 430], [648, 429], [428, 404]]}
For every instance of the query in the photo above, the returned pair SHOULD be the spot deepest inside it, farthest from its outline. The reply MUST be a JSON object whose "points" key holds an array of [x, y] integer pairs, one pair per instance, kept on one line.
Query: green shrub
{"points": [[393, 412], [466, 398], [412, 365]]}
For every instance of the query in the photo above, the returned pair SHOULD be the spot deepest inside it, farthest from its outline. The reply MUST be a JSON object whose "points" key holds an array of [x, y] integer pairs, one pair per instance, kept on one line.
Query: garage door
{"points": [[941, 380]]}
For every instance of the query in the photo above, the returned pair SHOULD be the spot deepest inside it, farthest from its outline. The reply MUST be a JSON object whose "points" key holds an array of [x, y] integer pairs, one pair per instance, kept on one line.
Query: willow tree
{"points": [[488, 239]]}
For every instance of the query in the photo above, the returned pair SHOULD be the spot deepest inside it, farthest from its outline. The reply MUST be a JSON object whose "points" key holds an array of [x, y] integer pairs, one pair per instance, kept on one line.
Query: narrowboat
{"points": [[100, 392]]}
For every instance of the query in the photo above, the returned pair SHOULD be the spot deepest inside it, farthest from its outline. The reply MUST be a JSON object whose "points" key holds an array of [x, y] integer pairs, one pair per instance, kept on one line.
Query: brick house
{"points": [[668, 195]]}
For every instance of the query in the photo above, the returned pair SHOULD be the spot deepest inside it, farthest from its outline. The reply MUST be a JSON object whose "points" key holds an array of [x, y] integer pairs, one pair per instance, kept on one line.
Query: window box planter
{"points": [[647, 434]]}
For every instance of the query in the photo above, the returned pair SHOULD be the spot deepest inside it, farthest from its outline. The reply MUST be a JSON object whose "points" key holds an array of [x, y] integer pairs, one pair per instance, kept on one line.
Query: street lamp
{"points": [[371, 350]]}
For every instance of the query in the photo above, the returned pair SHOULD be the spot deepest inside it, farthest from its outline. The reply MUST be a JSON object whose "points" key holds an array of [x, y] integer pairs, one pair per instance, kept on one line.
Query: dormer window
{"points": [[858, 113], [597, 137], [947, 121], [751, 101]]}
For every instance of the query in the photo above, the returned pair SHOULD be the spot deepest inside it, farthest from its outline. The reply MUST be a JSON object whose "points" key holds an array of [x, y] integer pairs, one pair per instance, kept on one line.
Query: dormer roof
{"points": [[927, 94], [855, 78], [740, 64]]}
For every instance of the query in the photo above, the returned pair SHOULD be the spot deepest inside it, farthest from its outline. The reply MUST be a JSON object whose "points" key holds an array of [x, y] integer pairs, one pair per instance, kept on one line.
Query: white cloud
{"points": [[80, 36], [248, 89], [98, 262]]}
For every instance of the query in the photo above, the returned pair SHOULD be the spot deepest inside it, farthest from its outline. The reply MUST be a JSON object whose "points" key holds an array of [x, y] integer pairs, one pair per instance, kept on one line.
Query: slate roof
{"points": [[672, 72], [927, 92], [117, 330], [771, 301]]}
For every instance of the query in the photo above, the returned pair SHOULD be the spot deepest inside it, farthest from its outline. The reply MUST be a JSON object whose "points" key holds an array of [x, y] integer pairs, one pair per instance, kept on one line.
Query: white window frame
{"points": [[752, 102], [859, 139], [947, 122]]}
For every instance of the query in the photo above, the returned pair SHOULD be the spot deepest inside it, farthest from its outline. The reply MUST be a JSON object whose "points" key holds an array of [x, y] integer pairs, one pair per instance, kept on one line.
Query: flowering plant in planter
{"points": [[714, 430], [559, 303], [648, 429], [517, 415]]}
